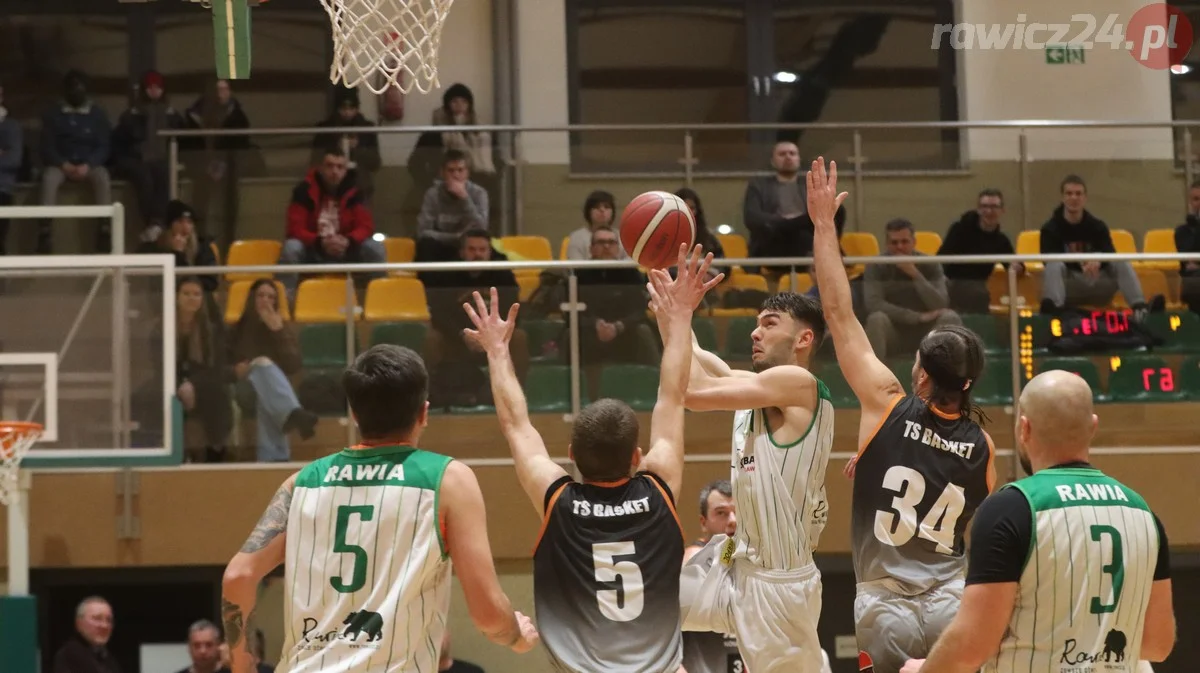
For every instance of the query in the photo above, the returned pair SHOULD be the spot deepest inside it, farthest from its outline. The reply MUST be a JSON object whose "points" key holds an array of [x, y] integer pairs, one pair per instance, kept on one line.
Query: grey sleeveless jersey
{"points": [[917, 484]]}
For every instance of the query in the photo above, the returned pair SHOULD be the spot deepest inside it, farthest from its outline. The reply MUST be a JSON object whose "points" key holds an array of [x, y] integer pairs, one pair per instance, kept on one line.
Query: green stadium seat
{"points": [[994, 387], [407, 334], [635, 385], [988, 329], [1144, 378], [706, 333], [839, 389], [1180, 332], [323, 345], [1081, 366], [548, 340], [737, 338], [548, 389], [1189, 378]]}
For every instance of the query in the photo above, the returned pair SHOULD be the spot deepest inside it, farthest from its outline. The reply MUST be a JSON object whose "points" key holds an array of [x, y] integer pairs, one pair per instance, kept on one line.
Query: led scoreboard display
{"points": [[1097, 323]]}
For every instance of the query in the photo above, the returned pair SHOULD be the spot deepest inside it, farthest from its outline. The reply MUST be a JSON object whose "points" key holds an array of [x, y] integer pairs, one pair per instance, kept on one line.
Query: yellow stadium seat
{"points": [[391, 299], [252, 253], [734, 245], [1160, 241], [524, 248], [741, 281], [322, 300], [562, 249], [235, 300], [1154, 282], [528, 285], [859, 244], [803, 283], [400, 249], [1029, 291], [928, 242], [1030, 243], [1123, 241]]}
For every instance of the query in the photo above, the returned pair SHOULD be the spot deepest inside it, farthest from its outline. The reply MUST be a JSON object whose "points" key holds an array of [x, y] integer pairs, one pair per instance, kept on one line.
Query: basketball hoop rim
{"points": [[23, 427]]}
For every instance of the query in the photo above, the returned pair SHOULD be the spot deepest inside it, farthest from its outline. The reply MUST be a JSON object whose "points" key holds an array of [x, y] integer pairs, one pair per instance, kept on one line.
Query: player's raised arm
{"points": [[465, 518], [873, 383], [535, 469], [263, 551], [781, 386], [673, 302]]}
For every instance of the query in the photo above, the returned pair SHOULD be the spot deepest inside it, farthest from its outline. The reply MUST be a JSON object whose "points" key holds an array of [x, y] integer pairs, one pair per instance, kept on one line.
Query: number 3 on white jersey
{"points": [[897, 527], [609, 569]]}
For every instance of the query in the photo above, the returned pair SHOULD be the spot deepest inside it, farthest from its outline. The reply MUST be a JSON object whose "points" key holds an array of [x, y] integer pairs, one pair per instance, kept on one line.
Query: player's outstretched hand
{"points": [[823, 197], [912, 666], [689, 286], [529, 635], [491, 331], [850, 465]]}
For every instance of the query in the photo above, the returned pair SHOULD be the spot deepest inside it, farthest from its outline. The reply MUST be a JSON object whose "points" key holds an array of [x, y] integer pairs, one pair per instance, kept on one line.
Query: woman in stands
{"points": [[202, 376], [265, 352]]}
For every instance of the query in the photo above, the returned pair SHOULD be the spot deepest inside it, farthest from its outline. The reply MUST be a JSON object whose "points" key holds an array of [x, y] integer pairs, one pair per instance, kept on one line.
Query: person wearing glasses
{"points": [[977, 232]]}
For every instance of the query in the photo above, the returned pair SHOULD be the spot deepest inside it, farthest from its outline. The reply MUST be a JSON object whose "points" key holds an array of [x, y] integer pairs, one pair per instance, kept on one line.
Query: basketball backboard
{"points": [[87, 349]]}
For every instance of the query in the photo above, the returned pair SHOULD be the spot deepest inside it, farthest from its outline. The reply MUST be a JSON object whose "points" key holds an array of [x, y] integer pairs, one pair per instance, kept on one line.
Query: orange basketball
{"points": [[653, 226]]}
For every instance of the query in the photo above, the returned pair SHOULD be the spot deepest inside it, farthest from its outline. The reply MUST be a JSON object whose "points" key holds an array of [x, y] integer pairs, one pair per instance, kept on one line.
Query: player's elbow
{"points": [[239, 574], [1158, 640]]}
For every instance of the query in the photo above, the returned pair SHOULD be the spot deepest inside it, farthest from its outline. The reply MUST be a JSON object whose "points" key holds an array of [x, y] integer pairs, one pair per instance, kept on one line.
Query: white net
{"points": [[15, 441], [386, 43]]}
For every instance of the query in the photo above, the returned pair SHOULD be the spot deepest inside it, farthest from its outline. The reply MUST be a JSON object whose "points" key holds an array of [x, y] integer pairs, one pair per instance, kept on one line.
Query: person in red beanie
{"points": [[140, 154]]}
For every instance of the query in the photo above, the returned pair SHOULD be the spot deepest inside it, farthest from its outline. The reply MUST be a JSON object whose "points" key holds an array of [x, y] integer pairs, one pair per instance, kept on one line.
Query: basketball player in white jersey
{"points": [[367, 536], [922, 468], [764, 588], [1069, 568]]}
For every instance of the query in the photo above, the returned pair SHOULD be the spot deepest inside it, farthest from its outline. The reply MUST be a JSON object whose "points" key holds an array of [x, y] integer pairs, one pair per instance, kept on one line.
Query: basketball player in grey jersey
{"points": [[712, 652], [403, 515], [922, 468], [1069, 568]]}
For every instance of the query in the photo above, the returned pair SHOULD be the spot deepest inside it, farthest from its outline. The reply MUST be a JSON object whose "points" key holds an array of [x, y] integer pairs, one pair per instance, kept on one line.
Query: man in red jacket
{"points": [[327, 221]]}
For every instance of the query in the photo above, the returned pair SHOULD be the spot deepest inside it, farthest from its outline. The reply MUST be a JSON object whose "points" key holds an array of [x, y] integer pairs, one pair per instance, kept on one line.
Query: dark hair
{"points": [[452, 156], [802, 308], [333, 151], [721, 486], [474, 232], [603, 439], [898, 224], [953, 358], [387, 387], [703, 236], [604, 227], [1072, 179], [250, 318], [598, 198], [991, 191]]}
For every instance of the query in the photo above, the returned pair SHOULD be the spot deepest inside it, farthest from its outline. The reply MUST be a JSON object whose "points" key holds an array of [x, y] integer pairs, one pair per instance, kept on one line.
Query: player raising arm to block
{"points": [[923, 465], [606, 566], [1069, 567], [367, 537]]}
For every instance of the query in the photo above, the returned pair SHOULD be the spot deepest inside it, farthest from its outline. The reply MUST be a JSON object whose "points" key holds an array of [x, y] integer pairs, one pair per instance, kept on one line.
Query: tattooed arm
{"points": [[262, 553]]}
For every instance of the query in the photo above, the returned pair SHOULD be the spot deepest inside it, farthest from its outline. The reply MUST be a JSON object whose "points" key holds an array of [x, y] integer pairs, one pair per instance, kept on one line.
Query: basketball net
{"points": [[386, 44], [15, 441]]}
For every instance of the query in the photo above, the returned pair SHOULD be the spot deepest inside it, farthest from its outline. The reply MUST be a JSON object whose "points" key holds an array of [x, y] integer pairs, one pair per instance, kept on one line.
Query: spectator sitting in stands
{"points": [[362, 149], [75, 146], [204, 648], [1072, 229], [452, 206], [179, 238], [1187, 239], [327, 222], [613, 328], [201, 372], [265, 352], [977, 232], [598, 211], [140, 154], [455, 361], [87, 649], [216, 163], [704, 236], [12, 151], [426, 161], [904, 301]]}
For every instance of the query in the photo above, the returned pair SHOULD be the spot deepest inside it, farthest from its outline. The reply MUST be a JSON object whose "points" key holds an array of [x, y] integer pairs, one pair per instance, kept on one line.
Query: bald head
{"points": [[1057, 420]]}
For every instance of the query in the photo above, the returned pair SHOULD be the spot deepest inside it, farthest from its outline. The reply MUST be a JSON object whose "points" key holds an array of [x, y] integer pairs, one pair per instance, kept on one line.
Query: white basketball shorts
{"points": [[893, 628], [773, 613]]}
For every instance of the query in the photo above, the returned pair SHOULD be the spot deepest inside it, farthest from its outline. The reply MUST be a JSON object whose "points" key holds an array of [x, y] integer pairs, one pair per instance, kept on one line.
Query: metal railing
{"points": [[513, 145]]}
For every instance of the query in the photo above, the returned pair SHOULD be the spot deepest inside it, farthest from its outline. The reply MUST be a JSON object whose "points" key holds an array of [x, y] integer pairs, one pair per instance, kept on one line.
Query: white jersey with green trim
{"points": [[367, 577], [1082, 597], [780, 490]]}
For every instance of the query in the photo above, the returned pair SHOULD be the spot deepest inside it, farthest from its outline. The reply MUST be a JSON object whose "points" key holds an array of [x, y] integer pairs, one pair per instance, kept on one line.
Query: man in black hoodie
{"points": [[1187, 239], [977, 232], [1072, 229]]}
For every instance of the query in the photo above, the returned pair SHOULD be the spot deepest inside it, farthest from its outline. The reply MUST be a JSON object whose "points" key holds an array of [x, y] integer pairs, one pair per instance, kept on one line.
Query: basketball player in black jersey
{"points": [[712, 652], [606, 566], [923, 465]]}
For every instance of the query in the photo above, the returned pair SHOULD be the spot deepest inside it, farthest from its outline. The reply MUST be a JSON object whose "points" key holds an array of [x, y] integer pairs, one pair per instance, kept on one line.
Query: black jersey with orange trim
{"points": [[917, 483], [606, 576]]}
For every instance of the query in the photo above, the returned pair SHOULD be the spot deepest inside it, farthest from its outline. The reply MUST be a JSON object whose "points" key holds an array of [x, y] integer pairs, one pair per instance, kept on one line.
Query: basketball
{"points": [[653, 226]]}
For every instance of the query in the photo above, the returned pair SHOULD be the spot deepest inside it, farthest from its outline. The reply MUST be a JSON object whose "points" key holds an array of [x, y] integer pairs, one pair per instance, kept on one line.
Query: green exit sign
{"points": [[1062, 54]]}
